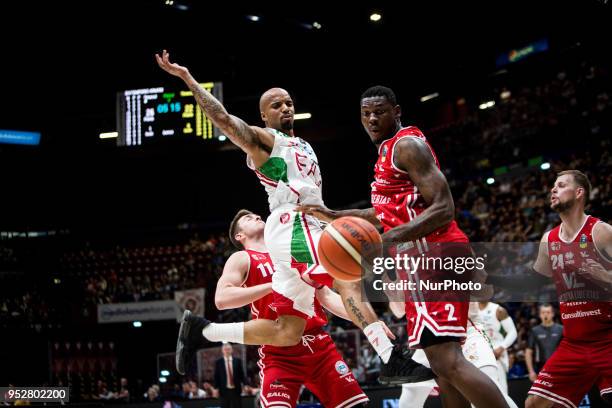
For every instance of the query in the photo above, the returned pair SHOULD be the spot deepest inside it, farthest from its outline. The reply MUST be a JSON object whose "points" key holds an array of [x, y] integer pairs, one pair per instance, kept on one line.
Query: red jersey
{"points": [[260, 271], [582, 320], [396, 198]]}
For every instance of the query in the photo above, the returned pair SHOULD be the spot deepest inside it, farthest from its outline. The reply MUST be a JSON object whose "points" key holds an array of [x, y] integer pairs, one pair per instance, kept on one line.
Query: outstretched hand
{"points": [[318, 211], [170, 67]]}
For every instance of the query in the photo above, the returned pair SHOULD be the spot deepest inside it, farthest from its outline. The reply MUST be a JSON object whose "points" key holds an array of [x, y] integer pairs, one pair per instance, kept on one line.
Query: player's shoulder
{"points": [[239, 256], [412, 150], [548, 233], [409, 131], [602, 229]]}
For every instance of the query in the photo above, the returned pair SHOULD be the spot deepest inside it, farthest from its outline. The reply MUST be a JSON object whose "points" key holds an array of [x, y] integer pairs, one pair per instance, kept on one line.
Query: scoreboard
{"points": [[146, 116]]}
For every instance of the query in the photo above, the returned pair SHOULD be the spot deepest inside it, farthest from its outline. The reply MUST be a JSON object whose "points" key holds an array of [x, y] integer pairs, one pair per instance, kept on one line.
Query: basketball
{"points": [[344, 243]]}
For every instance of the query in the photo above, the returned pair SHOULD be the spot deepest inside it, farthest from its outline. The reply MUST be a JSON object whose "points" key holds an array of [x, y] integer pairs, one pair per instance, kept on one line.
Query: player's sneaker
{"points": [[401, 368], [190, 339]]}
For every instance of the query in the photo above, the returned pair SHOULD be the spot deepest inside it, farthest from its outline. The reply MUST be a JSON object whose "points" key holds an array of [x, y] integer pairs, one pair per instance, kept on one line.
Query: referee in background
{"points": [[543, 341]]}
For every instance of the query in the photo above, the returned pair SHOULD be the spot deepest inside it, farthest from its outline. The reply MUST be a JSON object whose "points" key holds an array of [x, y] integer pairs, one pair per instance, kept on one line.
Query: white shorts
{"points": [[292, 239]]}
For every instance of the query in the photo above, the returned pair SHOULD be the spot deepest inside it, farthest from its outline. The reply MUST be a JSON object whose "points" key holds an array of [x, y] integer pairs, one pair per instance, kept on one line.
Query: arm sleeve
{"points": [[510, 330]]}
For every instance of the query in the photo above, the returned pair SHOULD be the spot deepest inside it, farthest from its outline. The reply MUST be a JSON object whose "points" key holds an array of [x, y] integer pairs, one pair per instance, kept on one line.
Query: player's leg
{"points": [[447, 361], [603, 364], [414, 395], [565, 378], [285, 331], [535, 401], [280, 385], [503, 376], [330, 378], [479, 352]]}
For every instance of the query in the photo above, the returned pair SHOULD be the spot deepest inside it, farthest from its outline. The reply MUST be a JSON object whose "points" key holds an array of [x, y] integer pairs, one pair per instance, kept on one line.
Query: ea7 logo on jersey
{"points": [[571, 282]]}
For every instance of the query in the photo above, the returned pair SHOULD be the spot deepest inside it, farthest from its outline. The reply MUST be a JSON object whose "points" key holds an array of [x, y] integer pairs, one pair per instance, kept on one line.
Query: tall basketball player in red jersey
{"points": [[412, 201], [314, 362], [577, 254]]}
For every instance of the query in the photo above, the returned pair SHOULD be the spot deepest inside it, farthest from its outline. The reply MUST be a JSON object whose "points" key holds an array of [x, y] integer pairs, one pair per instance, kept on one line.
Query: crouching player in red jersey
{"points": [[412, 201], [577, 254], [315, 361]]}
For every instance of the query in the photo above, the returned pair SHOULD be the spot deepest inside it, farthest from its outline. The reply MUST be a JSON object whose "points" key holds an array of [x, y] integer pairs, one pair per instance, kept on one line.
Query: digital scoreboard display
{"points": [[146, 116]]}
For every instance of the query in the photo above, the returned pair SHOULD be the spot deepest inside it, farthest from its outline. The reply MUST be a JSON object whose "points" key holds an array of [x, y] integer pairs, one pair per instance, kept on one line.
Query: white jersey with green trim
{"points": [[291, 175]]}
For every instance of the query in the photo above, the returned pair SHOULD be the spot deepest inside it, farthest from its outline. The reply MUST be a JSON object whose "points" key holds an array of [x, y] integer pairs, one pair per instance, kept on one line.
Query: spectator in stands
{"points": [[124, 393], [195, 392]]}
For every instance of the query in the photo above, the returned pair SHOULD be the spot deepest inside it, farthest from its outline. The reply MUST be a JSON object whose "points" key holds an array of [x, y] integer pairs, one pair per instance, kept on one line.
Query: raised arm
{"points": [[414, 157], [230, 294], [253, 140]]}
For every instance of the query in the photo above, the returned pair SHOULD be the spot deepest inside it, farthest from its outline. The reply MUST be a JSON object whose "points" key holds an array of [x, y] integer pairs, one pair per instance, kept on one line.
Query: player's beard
{"points": [[288, 125], [563, 207]]}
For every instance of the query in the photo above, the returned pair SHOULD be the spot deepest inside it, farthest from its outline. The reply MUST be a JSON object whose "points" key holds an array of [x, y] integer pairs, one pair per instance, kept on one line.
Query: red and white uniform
{"points": [[314, 363], [585, 353], [396, 200]]}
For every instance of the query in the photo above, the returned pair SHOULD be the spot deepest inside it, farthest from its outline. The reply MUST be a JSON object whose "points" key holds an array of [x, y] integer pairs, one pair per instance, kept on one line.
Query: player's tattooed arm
{"points": [[251, 139], [414, 157], [351, 307]]}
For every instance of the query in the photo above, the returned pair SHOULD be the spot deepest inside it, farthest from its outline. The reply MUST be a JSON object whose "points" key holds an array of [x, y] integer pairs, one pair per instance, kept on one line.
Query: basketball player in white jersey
{"points": [[477, 349], [494, 317], [288, 169]]}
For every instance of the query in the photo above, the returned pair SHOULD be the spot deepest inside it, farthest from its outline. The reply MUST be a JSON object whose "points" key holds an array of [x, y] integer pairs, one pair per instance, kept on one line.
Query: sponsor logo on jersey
{"points": [[584, 254], [555, 246], [544, 383], [278, 394], [276, 385], [380, 199], [384, 154], [341, 367], [284, 218], [583, 241], [571, 282]]}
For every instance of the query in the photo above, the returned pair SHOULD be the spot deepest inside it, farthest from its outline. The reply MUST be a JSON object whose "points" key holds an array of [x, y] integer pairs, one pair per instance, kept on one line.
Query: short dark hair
{"points": [[233, 229], [381, 91], [581, 179], [546, 305]]}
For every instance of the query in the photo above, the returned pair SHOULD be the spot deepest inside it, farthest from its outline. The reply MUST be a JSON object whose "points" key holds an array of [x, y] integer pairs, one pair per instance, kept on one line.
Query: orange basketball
{"points": [[343, 244]]}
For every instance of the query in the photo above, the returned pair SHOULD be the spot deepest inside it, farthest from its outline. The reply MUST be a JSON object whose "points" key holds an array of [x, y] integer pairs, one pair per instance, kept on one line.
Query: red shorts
{"points": [[443, 312], [316, 364], [443, 319], [572, 370]]}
